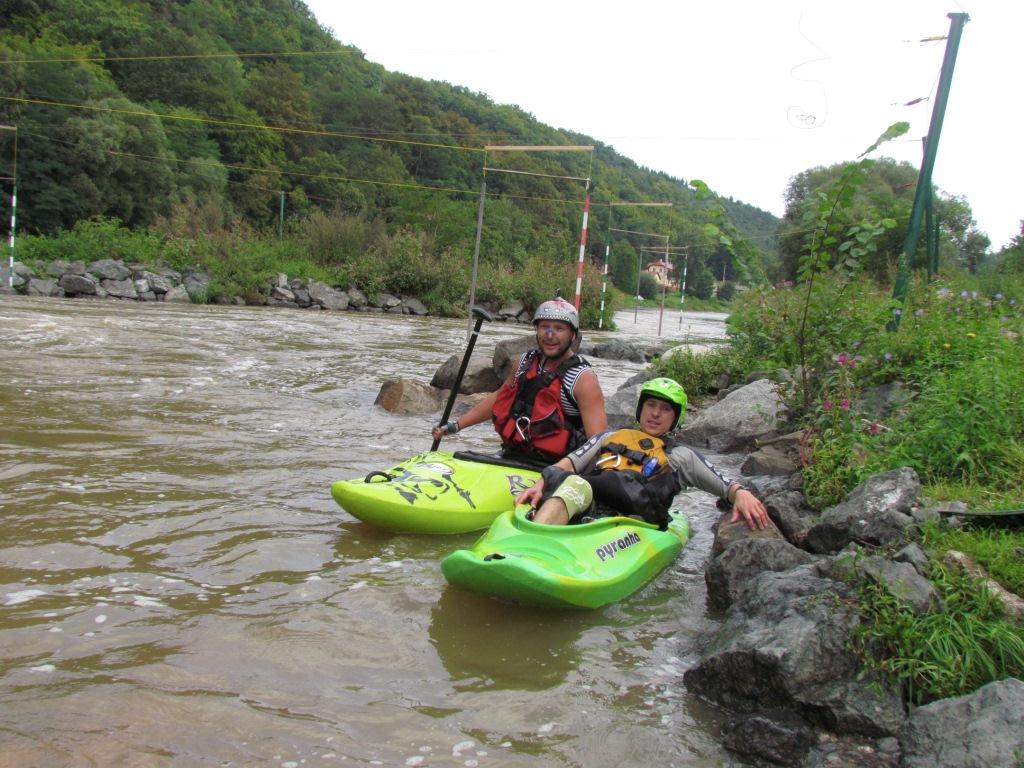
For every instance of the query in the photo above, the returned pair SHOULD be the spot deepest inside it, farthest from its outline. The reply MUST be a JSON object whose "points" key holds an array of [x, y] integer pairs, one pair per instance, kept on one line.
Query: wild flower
{"points": [[887, 356], [918, 313], [943, 293], [998, 297], [946, 345], [963, 294], [845, 405], [971, 335], [826, 405]]}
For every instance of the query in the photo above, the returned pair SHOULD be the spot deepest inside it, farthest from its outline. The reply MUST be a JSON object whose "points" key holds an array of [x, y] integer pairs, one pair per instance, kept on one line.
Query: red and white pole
{"points": [[583, 249]]}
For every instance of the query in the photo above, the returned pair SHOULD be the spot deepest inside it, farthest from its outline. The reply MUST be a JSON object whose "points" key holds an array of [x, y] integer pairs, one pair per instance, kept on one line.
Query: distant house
{"points": [[660, 270]]}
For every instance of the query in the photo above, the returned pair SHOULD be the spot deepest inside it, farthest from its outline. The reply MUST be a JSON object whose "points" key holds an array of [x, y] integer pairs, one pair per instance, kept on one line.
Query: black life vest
{"points": [[528, 414], [621, 487]]}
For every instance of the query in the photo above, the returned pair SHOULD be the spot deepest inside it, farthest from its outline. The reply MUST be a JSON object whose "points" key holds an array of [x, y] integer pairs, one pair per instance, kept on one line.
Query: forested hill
{"points": [[127, 109]]}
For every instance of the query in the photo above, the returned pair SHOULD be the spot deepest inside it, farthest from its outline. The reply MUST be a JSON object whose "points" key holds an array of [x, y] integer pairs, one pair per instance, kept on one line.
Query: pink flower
{"points": [[845, 405], [827, 405], [874, 429], [841, 358]]}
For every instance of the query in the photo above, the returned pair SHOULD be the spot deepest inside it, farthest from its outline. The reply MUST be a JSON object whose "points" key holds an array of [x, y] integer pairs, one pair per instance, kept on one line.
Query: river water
{"points": [[177, 586]]}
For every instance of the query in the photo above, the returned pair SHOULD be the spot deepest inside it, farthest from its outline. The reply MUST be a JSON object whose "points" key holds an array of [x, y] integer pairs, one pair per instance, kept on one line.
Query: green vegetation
{"points": [[213, 118], [943, 653]]}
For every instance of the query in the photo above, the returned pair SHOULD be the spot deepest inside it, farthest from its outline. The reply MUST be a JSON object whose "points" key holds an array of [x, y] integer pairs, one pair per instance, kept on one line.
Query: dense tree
{"points": [[203, 104]]}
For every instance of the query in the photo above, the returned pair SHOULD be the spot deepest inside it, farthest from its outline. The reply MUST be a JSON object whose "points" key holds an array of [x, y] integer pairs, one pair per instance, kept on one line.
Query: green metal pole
{"points": [[924, 179], [931, 233]]}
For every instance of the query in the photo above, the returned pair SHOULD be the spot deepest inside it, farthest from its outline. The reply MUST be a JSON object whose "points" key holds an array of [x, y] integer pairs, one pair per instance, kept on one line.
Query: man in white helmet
{"points": [[552, 402]]}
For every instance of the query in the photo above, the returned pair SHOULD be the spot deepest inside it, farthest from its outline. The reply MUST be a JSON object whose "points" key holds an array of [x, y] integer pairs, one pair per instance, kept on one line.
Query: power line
{"points": [[184, 56]]}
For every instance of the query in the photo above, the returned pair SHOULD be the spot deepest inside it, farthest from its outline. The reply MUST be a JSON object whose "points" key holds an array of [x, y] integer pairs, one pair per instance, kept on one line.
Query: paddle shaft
{"points": [[481, 315]]}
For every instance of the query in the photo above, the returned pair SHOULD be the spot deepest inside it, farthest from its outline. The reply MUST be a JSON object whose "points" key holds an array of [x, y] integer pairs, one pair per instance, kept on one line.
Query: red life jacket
{"points": [[528, 413]]}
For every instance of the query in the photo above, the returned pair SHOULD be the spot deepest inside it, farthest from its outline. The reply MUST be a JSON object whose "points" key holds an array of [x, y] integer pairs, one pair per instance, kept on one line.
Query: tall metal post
{"points": [[924, 179], [604, 283], [280, 217], [476, 254]]}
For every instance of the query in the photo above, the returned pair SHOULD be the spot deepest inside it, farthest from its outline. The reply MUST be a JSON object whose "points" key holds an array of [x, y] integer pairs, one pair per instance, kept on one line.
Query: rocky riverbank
{"points": [[114, 279], [782, 661]]}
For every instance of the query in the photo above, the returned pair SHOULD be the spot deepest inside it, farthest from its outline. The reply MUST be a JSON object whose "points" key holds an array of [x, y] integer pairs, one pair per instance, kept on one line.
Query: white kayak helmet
{"points": [[558, 309]]}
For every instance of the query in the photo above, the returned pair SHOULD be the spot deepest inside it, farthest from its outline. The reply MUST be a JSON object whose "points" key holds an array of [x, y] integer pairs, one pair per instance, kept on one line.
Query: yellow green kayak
{"points": [[436, 492], [566, 566]]}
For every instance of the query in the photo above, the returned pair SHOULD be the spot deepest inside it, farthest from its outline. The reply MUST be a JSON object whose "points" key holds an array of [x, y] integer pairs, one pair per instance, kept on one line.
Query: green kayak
{"points": [[565, 566], [436, 492]]}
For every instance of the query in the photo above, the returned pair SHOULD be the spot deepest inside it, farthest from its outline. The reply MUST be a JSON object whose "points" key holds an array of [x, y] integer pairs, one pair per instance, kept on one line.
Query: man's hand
{"points": [[532, 494], [750, 508]]}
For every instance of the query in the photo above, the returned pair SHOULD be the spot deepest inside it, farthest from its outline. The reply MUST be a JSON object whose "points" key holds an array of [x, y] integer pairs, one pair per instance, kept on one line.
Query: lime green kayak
{"points": [[436, 492], [565, 566]]}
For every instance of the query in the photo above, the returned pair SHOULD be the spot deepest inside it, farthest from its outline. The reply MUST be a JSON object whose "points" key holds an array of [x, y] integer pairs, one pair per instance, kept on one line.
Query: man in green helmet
{"points": [[636, 472]]}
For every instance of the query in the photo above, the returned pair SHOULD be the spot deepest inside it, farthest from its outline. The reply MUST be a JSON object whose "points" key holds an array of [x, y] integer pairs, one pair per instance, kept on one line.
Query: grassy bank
{"points": [[342, 251], [942, 394]]}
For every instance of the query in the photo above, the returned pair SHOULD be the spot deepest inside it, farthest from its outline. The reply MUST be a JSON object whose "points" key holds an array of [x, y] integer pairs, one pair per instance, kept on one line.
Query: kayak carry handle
{"points": [[378, 473]]}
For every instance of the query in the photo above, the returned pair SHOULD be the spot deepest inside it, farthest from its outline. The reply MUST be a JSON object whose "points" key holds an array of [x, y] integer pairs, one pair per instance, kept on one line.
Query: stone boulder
{"points": [[876, 512], [728, 574], [785, 646], [979, 730], [789, 511], [178, 295], [479, 375], [507, 353], [408, 397], [42, 287], [109, 269], [736, 422], [328, 298], [120, 289], [77, 285], [413, 306]]}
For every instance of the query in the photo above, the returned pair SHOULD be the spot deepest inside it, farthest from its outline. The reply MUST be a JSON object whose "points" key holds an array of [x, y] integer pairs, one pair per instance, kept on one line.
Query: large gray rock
{"points": [[356, 298], [876, 512], [120, 289], [77, 285], [507, 353], [109, 269], [479, 375], [158, 283], [730, 572], [901, 580], [407, 397], [327, 297], [198, 286], [177, 295], [979, 730], [789, 511], [414, 306], [39, 287], [620, 407], [785, 645], [737, 421]]}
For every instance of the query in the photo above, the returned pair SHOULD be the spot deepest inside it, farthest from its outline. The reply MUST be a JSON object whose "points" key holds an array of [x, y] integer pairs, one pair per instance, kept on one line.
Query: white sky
{"points": [[743, 94]]}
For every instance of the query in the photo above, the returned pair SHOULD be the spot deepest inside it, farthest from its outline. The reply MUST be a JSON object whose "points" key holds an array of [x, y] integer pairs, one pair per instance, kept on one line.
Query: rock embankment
{"points": [[114, 279]]}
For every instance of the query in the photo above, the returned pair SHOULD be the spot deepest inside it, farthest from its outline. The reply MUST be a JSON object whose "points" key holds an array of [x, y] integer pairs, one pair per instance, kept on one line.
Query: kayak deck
{"points": [[436, 492], [571, 566]]}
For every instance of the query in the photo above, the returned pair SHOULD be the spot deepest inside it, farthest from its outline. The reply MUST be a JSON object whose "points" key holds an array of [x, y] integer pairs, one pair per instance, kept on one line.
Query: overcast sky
{"points": [[743, 94]]}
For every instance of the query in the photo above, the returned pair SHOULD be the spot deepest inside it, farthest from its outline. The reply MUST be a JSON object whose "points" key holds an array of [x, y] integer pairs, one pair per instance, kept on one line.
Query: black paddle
{"points": [[480, 315]]}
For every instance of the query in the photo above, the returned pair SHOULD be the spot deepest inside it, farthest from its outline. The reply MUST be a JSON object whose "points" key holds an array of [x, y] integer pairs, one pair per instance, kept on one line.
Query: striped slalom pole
{"points": [[14, 223], [682, 287], [604, 285], [583, 248]]}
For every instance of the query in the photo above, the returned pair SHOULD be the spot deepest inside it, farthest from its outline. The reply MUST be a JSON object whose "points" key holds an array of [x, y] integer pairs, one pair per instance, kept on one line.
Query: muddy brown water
{"points": [[177, 586]]}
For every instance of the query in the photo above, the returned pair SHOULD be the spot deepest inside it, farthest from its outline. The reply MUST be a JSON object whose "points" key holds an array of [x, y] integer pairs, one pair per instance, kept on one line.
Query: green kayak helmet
{"points": [[665, 389]]}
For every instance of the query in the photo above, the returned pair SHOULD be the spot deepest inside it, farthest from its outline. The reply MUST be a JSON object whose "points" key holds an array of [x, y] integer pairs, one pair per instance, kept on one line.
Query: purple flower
{"points": [[998, 297], [887, 356], [826, 405], [897, 311], [963, 294], [841, 358], [918, 313], [845, 405], [874, 429], [944, 292]]}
